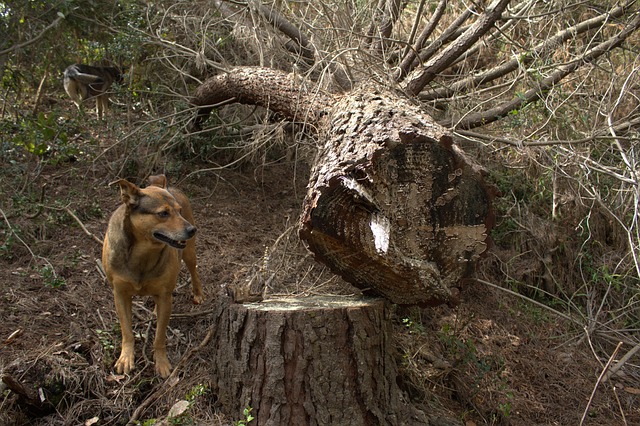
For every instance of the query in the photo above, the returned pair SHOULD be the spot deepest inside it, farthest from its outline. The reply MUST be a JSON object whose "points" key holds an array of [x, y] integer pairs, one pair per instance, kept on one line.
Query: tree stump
{"points": [[309, 361]]}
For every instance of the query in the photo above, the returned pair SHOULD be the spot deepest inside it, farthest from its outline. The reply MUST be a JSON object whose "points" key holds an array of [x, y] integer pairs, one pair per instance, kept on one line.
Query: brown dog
{"points": [[83, 82], [145, 240]]}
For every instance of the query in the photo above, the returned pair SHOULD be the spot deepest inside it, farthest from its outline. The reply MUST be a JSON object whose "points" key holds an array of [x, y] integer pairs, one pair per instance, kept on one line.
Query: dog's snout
{"points": [[191, 231]]}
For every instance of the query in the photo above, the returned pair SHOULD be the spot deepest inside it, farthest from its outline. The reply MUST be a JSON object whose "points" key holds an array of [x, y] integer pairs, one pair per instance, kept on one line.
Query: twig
{"points": [[624, 418], [535, 302], [45, 77], [6, 220], [86, 231], [171, 381], [595, 388], [100, 269], [193, 314], [613, 370], [33, 40]]}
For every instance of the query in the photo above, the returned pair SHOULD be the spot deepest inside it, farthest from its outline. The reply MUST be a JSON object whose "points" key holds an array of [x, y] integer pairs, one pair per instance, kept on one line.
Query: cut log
{"points": [[393, 206], [309, 361]]}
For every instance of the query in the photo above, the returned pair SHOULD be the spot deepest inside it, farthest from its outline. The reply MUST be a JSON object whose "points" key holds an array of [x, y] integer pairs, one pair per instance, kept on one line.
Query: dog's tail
{"points": [[73, 73]]}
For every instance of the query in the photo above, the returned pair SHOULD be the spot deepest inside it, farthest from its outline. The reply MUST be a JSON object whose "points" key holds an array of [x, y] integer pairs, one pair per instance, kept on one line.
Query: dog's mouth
{"points": [[170, 241]]}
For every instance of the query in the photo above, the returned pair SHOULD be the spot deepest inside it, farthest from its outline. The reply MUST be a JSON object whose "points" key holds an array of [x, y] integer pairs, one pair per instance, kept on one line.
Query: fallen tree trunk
{"points": [[393, 206]]}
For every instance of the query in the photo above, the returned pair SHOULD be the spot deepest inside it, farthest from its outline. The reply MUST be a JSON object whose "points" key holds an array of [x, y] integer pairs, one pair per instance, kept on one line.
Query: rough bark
{"points": [[393, 206], [277, 90], [311, 361]]}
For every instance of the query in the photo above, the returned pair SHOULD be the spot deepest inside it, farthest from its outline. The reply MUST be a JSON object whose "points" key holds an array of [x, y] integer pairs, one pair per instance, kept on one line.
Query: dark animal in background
{"points": [[82, 82], [146, 238]]}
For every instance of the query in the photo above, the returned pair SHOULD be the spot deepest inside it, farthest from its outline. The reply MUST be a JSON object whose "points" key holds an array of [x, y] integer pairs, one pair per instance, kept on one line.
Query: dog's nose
{"points": [[191, 231]]}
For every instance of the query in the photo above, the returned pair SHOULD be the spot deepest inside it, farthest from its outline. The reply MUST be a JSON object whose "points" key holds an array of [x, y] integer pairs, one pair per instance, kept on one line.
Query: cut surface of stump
{"points": [[310, 361]]}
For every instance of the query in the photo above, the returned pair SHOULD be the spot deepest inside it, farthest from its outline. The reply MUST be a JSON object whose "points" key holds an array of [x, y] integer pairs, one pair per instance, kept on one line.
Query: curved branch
{"points": [[288, 29], [455, 49], [387, 18], [493, 114], [279, 91], [36, 38], [302, 44]]}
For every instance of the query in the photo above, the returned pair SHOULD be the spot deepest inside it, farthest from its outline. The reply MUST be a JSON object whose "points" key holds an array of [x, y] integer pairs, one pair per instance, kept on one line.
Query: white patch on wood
{"points": [[380, 227]]}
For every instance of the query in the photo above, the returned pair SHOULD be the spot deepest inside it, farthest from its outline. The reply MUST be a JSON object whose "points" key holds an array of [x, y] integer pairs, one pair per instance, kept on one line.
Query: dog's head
{"points": [[154, 213]]}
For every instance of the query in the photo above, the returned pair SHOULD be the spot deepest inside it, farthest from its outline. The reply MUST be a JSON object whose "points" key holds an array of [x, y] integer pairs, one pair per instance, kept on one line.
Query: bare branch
{"points": [[446, 36], [411, 52], [414, 28], [266, 87], [35, 39], [493, 114], [387, 18], [448, 55], [287, 28], [524, 59]]}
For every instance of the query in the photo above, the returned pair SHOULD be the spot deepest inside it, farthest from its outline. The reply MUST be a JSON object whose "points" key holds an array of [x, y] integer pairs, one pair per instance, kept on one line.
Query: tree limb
{"points": [[419, 80], [36, 38], [480, 119], [414, 27], [301, 43], [411, 52], [447, 35], [387, 17], [287, 28], [523, 60], [265, 87]]}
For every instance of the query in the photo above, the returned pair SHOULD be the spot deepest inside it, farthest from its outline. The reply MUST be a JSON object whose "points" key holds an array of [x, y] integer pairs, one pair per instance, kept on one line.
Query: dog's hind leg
{"points": [[163, 311], [102, 102]]}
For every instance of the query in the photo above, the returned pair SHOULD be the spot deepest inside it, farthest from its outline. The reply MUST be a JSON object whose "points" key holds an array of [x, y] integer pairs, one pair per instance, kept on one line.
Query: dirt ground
{"points": [[493, 359]]}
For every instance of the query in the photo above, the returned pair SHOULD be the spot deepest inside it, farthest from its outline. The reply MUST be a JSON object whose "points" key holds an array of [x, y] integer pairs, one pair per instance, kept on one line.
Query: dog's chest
{"points": [[154, 274]]}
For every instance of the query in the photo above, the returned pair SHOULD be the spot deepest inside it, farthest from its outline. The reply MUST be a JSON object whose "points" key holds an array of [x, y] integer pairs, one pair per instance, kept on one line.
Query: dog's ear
{"points": [[158, 180], [129, 192]]}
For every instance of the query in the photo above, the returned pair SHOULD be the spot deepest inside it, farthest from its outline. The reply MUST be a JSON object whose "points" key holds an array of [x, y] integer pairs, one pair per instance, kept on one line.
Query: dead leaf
{"points": [[92, 421], [117, 378], [178, 408], [13, 336]]}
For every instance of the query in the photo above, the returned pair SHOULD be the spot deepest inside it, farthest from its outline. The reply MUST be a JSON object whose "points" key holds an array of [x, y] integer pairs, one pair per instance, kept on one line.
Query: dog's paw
{"points": [[163, 367], [198, 298], [125, 364]]}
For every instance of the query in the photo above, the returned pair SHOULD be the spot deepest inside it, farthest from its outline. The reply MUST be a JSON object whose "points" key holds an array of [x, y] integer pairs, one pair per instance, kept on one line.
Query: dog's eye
{"points": [[163, 214]]}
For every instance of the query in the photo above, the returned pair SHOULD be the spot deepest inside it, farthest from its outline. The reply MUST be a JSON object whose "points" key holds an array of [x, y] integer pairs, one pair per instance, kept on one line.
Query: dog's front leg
{"points": [[163, 310], [189, 258], [126, 362]]}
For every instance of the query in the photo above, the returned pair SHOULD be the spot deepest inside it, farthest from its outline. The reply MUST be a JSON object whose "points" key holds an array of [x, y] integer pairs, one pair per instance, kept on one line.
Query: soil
{"points": [[492, 359]]}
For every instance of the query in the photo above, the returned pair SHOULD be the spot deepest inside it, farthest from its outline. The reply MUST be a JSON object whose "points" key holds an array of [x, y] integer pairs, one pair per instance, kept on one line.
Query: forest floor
{"points": [[492, 359]]}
